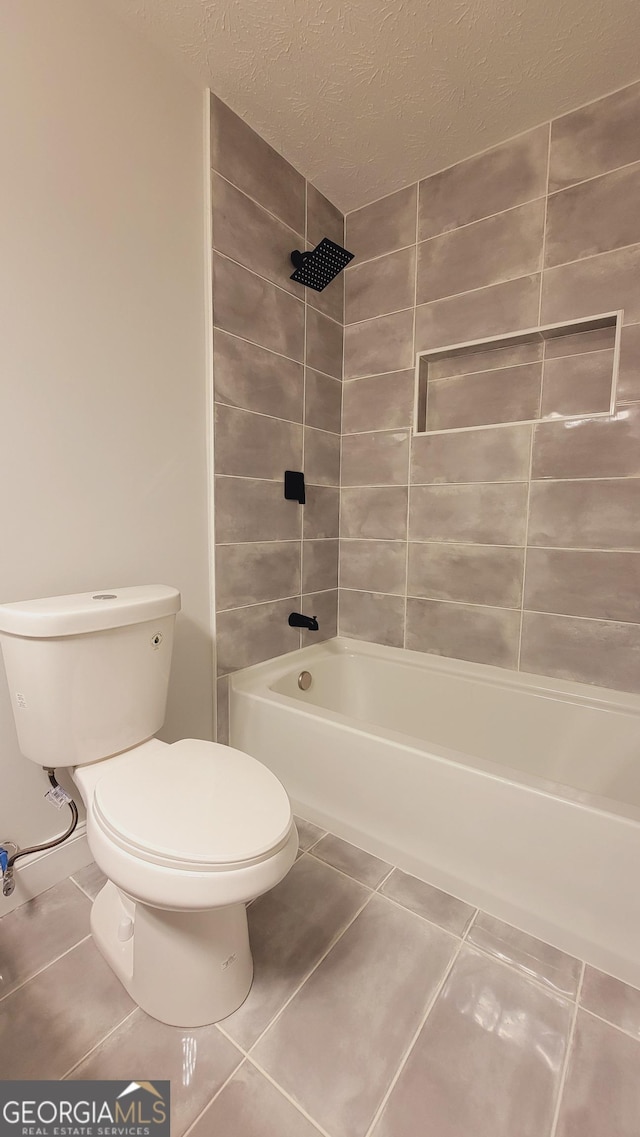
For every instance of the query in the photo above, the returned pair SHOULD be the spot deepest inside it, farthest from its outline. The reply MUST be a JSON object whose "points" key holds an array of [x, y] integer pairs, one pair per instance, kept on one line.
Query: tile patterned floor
{"points": [[381, 1007]]}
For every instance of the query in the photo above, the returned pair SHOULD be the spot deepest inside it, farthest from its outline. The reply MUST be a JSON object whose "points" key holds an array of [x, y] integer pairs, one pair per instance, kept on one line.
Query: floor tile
{"points": [[611, 1000], [533, 957], [602, 1092], [39, 931], [308, 834], [90, 879], [197, 1062], [351, 860], [250, 1106], [337, 1045], [62, 1013], [449, 913], [290, 929], [488, 1061]]}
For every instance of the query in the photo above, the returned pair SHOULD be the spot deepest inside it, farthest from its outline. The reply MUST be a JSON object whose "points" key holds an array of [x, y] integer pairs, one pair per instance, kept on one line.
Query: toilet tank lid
{"points": [[88, 611]]}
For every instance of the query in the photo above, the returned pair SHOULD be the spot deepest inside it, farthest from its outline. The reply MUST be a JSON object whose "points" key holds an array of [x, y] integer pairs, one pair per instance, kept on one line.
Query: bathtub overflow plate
{"points": [[305, 679]]}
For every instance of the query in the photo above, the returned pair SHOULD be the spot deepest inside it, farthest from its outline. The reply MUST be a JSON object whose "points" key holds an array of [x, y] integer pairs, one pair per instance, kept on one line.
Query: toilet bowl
{"points": [[186, 833]]}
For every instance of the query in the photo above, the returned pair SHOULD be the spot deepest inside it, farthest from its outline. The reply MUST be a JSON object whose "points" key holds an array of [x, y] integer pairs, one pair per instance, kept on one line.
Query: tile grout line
{"points": [[479, 220], [342, 872], [315, 967], [606, 620], [593, 177], [293, 295], [527, 362], [489, 284], [254, 343], [450, 485], [567, 1057], [41, 970], [544, 230], [405, 1058], [576, 261], [342, 435], [277, 482], [439, 541], [539, 415], [385, 315], [98, 1044], [260, 603], [297, 299], [317, 842], [270, 350], [219, 1027], [384, 881], [418, 915], [278, 418], [287, 1095], [607, 1022], [377, 374], [304, 405], [451, 380], [79, 886], [411, 428], [216, 1095], [502, 608], [526, 541], [381, 256], [224, 178]]}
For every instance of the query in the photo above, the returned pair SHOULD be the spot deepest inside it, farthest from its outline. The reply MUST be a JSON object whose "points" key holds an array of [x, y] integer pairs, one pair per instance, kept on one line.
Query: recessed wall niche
{"points": [[558, 371]]}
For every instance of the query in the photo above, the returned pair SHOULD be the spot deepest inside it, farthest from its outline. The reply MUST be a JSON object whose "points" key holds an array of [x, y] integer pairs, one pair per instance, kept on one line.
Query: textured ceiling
{"points": [[365, 96]]}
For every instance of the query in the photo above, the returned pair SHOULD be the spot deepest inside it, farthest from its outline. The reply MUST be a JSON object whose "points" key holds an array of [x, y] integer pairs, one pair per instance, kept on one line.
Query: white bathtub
{"points": [[516, 793]]}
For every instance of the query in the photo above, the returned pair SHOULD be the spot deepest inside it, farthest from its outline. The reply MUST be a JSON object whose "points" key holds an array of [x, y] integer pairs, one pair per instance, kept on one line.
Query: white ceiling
{"points": [[365, 96]]}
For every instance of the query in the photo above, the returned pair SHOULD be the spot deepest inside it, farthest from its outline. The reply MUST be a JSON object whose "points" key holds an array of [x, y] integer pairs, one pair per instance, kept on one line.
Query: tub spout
{"points": [[297, 620]]}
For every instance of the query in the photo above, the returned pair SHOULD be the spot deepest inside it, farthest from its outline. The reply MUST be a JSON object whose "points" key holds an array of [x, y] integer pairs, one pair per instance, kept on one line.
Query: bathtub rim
{"points": [[258, 681]]}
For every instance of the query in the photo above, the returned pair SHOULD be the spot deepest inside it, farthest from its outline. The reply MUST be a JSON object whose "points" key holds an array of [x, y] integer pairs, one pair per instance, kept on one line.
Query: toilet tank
{"points": [[88, 674]]}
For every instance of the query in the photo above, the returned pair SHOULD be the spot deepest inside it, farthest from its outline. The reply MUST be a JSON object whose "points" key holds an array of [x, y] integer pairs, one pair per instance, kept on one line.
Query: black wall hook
{"points": [[294, 487]]}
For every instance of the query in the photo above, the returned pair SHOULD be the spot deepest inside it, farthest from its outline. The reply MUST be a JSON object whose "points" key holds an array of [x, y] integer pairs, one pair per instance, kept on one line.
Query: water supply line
{"points": [[60, 797]]}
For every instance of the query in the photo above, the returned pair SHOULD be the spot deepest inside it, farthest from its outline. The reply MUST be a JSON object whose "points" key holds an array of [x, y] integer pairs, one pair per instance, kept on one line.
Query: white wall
{"points": [[103, 420]]}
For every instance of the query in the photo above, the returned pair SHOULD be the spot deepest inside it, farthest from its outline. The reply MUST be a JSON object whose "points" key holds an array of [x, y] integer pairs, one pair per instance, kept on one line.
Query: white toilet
{"points": [[186, 833]]}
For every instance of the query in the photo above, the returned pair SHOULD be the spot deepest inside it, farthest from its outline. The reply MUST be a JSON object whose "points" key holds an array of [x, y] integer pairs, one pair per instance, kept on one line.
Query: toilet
{"points": [[186, 833]]}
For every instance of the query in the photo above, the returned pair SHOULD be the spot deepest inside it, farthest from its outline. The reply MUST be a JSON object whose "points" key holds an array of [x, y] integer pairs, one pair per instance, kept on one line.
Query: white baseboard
{"points": [[41, 871]]}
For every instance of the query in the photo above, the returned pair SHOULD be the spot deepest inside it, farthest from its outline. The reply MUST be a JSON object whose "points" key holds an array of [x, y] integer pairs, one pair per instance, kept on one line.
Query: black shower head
{"points": [[317, 269]]}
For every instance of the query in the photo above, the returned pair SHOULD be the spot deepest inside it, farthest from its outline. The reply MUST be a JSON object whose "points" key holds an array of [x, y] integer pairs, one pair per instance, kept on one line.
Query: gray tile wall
{"points": [[278, 394], [513, 545]]}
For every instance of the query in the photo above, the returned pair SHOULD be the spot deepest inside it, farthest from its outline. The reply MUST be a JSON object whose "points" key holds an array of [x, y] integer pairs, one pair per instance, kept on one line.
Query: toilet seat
{"points": [[193, 805]]}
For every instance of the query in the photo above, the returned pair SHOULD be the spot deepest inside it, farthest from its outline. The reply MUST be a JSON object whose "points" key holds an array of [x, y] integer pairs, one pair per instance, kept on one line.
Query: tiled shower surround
{"points": [[380, 1007], [513, 545], [277, 383]]}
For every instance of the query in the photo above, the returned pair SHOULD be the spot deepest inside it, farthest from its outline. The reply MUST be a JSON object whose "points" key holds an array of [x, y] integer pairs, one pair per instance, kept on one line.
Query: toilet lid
{"points": [[194, 804]]}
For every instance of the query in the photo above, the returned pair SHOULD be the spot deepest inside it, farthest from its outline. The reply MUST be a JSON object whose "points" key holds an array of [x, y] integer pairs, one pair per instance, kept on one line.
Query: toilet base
{"points": [[184, 968]]}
